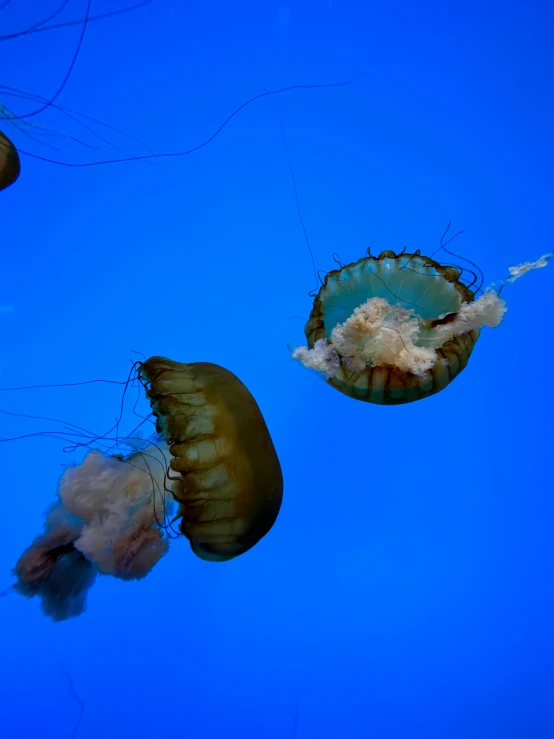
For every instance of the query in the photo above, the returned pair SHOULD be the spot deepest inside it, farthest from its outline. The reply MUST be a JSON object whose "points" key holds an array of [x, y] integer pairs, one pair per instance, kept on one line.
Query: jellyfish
{"points": [[212, 455], [230, 485], [10, 166], [86, 131], [83, 133], [396, 328]]}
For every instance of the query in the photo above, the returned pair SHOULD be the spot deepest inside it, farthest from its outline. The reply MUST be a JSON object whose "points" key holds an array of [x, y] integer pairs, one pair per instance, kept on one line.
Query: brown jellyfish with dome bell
{"points": [[229, 485], [10, 166], [211, 454]]}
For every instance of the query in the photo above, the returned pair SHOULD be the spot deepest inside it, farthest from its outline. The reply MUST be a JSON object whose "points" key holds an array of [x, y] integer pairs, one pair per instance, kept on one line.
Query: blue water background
{"points": [[406, 591]]}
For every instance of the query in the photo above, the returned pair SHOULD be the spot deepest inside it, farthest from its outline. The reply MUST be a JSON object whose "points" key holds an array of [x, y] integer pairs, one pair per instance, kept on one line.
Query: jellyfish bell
{"points": [[230, 486], [397, 328], [372, 324], [10, 166]]}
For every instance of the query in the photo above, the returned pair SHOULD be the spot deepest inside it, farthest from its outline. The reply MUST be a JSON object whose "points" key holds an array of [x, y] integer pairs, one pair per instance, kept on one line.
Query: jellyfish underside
{"points": [[419, 285], [10, 165], [229, 485]]}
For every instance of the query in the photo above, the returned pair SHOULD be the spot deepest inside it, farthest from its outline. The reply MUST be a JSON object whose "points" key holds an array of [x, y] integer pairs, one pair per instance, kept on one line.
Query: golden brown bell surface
{"points": [[230, 484]]}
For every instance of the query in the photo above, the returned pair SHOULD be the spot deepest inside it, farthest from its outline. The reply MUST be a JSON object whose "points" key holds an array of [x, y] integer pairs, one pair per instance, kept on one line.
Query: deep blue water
{"points": [[405, 591]]}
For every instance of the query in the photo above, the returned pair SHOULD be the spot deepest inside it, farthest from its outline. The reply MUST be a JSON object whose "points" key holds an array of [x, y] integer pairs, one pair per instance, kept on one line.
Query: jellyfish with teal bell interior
{"points": [[400, 327]]}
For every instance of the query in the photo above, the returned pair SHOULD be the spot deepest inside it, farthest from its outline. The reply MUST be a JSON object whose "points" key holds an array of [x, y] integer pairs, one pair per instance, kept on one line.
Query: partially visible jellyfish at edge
{"points": [[86, 132], [10, 165], [82, 124], [212, 455], [397, 328]]}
